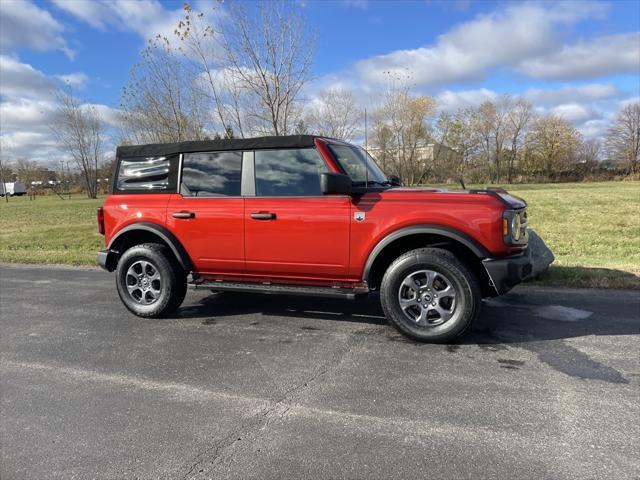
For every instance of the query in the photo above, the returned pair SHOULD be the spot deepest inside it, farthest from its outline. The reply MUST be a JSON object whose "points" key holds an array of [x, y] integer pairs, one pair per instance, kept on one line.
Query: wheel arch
{"points": [[466, 248], [146, 232]]}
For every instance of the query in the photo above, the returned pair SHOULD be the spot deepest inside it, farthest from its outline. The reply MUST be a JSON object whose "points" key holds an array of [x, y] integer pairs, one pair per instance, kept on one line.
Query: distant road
{"points": [[267, 387]]}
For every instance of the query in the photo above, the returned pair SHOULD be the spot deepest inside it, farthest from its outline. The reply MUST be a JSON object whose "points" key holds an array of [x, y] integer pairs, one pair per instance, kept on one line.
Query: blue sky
{"points": [[580, 60]]}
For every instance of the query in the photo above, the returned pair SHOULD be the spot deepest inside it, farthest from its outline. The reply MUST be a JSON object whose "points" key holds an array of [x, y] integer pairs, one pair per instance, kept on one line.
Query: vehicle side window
{"points": [[288, 173], [147, 174], [211, 174]]}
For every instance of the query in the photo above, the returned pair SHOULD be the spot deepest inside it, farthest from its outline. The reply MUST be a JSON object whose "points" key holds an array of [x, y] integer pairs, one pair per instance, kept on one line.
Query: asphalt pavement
{"points": [[270, 387]]}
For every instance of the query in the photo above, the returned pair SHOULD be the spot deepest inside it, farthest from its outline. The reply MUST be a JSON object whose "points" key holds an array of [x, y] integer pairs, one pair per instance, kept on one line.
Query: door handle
{"points": [[263, 216], [183, 215]]}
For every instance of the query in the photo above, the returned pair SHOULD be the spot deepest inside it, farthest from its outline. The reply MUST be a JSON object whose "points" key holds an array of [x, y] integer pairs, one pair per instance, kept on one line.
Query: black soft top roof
{"points": [[157, 149]]}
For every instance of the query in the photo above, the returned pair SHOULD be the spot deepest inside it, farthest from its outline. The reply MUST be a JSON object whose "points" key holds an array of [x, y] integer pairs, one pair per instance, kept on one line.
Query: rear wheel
{"points": [[150, 282], [430, 296]]}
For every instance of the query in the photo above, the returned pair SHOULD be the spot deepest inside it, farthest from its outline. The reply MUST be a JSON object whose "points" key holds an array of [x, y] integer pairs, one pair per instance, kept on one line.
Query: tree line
{"points": [[501, 141], [247, 77]]}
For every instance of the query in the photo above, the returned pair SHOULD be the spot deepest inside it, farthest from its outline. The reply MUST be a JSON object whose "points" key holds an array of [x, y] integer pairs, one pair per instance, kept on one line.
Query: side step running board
{"points": [[274, 288]]}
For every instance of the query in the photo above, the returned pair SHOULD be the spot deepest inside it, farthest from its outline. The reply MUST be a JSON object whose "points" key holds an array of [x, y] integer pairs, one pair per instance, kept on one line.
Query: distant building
{"points": [[425, 153], [432, 161]]}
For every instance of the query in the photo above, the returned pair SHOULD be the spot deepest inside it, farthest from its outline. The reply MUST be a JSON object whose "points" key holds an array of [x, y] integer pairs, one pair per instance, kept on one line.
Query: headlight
{"points": [[516, 227]]}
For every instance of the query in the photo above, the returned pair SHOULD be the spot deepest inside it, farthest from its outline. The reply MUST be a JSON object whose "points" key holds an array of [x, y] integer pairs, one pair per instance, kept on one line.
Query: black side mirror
{"points": [[395, 180], [336, 183]]}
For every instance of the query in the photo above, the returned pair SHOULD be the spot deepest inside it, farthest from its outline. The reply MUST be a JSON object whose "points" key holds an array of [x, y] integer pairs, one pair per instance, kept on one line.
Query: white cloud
{"points": [[32, 145], [25, 25], [571, 93], [574, 112], [97, 13], [28, 109], [449, 101], [596, 128], [628, 101], [146, 18], [22, 80], [110, 116], [74, 80], [588, 59], [470, 49], [26, 115], [26, 129]]}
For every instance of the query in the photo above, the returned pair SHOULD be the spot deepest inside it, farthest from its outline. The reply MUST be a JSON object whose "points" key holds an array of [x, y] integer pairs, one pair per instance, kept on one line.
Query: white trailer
{"points": [[12, 188]]}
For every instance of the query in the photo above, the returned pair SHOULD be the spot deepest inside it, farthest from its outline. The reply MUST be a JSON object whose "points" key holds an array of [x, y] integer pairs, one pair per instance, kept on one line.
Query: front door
{"points": [[292, 231], [207, 213]]}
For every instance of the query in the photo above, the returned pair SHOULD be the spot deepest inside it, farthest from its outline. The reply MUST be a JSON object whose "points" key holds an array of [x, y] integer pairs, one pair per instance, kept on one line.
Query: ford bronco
{"points": [[306, 215]]}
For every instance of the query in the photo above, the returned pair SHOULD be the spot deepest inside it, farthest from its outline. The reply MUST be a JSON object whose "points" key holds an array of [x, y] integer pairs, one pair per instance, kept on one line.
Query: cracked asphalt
{"points": [[268, 387]]}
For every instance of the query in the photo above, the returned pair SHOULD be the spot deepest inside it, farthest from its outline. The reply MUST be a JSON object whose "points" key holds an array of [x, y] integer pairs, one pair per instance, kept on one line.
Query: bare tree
{"points": [[27, 171], [458, 132], [623, 137], [80, 134], [268, 52], [204, 54], [552, 144], [334, 114], [159, 103], [5, 173], [401, 126], [589, 153], [518, 119], [493, 118], [241, 77]]}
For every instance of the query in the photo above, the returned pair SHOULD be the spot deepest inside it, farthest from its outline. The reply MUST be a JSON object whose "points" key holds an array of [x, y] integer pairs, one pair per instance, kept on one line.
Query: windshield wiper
{"points": [[372, 182]]}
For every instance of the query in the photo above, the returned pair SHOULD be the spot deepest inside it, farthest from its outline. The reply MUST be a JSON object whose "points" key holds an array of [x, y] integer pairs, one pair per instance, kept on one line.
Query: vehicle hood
{"points": [[511, 201]]}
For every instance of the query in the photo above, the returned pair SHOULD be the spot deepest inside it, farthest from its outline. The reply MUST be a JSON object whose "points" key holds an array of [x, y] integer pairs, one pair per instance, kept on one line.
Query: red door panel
{"points": [[297, 237], [214, 235]]}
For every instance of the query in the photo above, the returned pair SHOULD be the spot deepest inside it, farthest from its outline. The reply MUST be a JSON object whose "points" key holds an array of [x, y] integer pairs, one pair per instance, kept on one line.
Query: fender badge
{"points": [[359, 216]]}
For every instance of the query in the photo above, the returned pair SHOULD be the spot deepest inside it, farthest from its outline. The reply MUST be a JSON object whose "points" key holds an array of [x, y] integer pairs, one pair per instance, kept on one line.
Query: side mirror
{"points": [[395, 180], [337, 183]]}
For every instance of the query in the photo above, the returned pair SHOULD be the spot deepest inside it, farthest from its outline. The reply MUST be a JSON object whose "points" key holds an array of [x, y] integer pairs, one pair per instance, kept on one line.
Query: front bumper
{"points": [[107, 259], [507, 272]]}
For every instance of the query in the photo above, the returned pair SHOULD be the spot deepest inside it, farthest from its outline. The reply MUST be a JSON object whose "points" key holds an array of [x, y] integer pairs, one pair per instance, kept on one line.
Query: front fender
{"points": [[444, 231]]}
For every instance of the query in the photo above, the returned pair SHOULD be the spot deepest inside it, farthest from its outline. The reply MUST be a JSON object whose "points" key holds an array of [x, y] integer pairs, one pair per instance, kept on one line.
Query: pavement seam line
{"points": [[280, 408]]}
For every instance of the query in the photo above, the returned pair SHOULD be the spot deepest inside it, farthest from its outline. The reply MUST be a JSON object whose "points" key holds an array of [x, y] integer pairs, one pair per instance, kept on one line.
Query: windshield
{"points": [[359, 165]]}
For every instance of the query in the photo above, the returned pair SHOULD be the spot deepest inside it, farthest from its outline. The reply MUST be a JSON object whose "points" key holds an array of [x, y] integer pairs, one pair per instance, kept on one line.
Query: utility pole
{"points": [[68, 177], [58, 188], [4, 184]]}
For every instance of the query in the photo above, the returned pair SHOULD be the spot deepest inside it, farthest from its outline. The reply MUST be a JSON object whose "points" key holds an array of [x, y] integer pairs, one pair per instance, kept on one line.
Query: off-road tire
{"points": [[173, 277], [466, 287]]}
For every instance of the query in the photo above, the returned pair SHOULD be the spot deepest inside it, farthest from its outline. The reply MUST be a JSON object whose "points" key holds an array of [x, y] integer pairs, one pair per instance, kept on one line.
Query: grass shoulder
{"points": [[593, 230]]}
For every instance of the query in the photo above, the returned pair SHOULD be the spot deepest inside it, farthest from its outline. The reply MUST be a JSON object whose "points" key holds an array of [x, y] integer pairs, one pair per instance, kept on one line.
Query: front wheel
{"points": [[430, 296], [150, 282]]}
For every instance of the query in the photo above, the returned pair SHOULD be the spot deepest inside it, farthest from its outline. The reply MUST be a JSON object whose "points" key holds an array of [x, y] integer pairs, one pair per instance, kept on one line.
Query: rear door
{"points": [[207, 213], [292, 231]]}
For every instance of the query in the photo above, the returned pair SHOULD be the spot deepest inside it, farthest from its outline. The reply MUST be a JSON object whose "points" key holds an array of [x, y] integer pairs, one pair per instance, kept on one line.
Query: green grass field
{"points": [[49, 230], [592, 228]]}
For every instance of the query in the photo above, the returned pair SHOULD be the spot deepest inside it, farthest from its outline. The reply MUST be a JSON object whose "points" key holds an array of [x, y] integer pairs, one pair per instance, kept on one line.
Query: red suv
{"points": [[306, 215]]}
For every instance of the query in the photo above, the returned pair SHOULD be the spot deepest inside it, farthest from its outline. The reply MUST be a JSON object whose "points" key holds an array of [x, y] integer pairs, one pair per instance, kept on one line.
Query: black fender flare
{"points": [[444, 231], [168, 237]]}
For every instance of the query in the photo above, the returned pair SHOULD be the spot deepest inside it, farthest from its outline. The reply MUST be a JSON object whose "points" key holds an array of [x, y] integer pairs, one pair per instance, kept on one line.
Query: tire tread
{"points": [[439, 256], [178, 286]]}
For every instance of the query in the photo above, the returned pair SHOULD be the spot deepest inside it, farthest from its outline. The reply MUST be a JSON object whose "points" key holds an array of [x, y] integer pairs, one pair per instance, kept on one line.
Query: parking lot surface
{"points": [[270, 387]]}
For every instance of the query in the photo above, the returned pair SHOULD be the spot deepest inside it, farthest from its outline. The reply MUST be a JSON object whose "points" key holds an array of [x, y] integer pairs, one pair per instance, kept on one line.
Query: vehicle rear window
{"points": [[288, 173], [211, 174], [147, 174]]}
